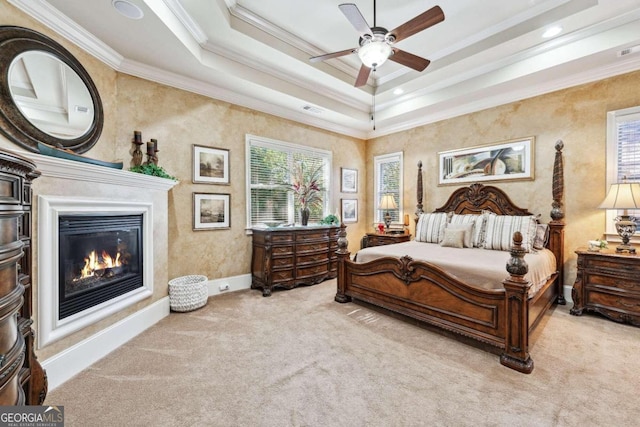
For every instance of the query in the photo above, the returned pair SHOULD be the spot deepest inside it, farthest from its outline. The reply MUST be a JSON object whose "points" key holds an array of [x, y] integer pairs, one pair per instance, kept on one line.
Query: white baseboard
{"points": [[235, 283], [73, 360], [567, 293]]}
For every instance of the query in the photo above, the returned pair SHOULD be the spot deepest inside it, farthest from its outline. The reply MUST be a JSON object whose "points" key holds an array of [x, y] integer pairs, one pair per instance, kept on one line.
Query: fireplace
{"points": [[100, 258], [95, 258]]}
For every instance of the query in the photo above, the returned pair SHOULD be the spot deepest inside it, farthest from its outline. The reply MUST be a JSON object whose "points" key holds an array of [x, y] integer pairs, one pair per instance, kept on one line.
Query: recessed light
{"points": [[552, 31], [398, 91], [128, 9]]}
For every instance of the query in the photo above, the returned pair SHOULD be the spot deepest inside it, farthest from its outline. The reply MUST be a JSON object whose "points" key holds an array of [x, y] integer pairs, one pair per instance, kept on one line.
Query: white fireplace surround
{"points": [[50, 208]]}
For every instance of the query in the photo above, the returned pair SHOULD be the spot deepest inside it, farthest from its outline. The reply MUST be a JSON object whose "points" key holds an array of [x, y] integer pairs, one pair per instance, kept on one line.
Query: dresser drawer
{"points": [[627, 284], [312, 235], [282, 250], [280, 276], [284, 262], [311, 271], [312, 258], [613, 266], [613, 301], [312, 247], [282, 237]]}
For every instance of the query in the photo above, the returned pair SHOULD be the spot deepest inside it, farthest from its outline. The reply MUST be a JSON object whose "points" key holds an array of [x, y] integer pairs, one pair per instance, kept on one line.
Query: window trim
{"points": [[611, 171], [254, 140], [377, 161]]}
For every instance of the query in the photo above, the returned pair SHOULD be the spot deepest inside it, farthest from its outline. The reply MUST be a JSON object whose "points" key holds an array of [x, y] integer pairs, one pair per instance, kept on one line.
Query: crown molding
{"points": [[61, 24]]}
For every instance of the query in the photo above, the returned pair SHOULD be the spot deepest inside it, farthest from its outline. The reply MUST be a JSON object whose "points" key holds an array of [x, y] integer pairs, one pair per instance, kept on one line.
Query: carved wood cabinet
{"points": [[381, 239], [22, 379], [608, 283], [292, 256]]}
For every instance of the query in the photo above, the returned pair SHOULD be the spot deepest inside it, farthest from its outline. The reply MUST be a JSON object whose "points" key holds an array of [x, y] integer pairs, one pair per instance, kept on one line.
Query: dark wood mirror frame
{"points": [[13, 124]]}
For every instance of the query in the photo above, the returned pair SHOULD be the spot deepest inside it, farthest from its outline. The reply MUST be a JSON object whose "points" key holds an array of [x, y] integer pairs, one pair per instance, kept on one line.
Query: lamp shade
{"points": [[374, 53], [622, 196], [387, 202]]}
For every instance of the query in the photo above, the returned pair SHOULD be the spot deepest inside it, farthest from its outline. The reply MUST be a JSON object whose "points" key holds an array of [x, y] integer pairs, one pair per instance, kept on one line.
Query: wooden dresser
{"points": [[288, 257], [608, 283], [22, 379], [381, 239]]}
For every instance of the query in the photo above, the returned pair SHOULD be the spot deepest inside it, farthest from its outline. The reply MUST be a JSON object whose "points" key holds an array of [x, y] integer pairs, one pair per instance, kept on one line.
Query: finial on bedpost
{"points": [[516, 352], [419, 190], [558, 183]]}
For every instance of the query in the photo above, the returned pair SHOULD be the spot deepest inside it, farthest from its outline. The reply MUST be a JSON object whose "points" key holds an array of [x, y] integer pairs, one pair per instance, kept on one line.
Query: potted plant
{"points": [[306, 186]]}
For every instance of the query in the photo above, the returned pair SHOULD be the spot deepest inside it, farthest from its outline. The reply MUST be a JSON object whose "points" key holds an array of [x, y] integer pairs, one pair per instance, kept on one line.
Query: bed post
{"points": [[343, 255], [556, 225], [516, 351]]}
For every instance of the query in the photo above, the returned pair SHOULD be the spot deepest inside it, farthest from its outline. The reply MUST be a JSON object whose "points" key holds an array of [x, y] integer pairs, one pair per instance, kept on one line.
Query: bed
{"points": [[500, 316]]}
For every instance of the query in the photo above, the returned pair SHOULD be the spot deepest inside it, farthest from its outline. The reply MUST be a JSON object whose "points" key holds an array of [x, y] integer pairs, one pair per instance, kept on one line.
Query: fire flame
{"points": [[93, 263]]}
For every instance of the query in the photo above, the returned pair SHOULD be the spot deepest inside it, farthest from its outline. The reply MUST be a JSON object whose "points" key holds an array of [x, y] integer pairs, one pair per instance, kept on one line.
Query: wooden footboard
{"points": [[427, 293]]}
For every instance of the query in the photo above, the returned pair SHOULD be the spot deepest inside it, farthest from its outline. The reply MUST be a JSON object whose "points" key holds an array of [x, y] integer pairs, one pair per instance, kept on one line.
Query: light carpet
{"points": [[298, 358]]}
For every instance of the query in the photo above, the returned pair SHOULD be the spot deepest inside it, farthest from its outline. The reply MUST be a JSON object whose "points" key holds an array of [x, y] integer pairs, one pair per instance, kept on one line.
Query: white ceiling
{"points": [[256, 53]]}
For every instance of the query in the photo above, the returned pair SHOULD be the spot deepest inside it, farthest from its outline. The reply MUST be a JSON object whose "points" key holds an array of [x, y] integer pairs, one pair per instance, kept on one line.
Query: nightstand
{"points": [[381, 239], [608, 283]]}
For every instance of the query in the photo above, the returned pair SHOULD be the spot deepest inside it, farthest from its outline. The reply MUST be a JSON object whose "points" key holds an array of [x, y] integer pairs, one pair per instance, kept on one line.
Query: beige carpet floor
{"points": [[300, 359]]}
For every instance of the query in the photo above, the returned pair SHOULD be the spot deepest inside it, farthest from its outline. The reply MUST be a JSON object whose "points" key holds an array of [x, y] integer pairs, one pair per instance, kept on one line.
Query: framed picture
{"points": [[210, 165], [349, 180], [211, 211], [507, 160], [349, 210]]}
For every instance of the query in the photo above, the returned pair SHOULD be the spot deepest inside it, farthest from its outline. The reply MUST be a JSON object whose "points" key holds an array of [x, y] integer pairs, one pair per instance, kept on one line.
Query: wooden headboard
{"points": [[477, 198]]}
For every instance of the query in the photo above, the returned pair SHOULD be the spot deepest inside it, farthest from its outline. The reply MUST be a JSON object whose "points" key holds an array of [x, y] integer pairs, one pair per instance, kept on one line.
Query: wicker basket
{"points": [[188, 293]]}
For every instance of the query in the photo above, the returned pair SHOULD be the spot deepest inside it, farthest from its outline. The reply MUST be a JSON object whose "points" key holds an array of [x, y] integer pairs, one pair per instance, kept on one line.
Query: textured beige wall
{"points": [[576, 115]]}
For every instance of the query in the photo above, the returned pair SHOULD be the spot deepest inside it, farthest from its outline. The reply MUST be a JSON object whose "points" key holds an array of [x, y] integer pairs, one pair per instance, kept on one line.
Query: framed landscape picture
{"points": [[349, 210], [349, 180], [210, 165], [502, 161], [211, 211]]}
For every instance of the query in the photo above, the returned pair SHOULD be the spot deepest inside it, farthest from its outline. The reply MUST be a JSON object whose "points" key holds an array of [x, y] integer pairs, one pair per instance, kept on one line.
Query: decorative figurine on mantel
{"points": [[137, 153]]}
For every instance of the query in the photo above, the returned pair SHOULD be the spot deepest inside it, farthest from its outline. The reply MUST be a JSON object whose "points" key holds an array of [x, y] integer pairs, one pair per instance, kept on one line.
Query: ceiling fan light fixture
{"points": [[374, 53]]}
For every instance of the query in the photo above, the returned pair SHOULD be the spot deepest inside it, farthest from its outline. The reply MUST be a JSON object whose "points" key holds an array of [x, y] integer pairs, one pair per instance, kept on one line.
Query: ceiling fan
{"points": [[376, 44]]}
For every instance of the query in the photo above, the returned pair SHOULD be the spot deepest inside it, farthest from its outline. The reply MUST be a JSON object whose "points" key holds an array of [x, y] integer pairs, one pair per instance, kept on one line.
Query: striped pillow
{"points": [[477, 220], [430, 227], [500, 228]]}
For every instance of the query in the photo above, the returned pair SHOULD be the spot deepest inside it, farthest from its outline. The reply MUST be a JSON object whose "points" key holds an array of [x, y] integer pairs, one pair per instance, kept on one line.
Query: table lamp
{"points": [[387, 203], [623, 196]]}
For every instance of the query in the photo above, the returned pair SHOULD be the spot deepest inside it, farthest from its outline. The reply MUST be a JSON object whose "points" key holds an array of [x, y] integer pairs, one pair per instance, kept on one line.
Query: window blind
{"points": [[388, 176], [269, 166]]}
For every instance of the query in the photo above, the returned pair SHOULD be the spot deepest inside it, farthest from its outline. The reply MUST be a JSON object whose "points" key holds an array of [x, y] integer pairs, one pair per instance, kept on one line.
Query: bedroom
{"points": [[577, 115]]}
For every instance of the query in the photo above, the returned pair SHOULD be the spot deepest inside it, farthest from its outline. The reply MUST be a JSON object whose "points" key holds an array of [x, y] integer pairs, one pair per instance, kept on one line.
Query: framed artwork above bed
{"points": [[501, 161]]}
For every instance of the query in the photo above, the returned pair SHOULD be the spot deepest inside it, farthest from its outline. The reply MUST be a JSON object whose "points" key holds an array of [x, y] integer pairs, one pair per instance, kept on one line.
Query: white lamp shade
{"points": [[622, 196], [387, 202], [374, 54]]}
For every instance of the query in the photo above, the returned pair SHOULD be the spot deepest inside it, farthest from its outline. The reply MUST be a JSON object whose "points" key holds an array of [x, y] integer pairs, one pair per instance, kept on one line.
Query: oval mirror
{"points": [[46, 95]]}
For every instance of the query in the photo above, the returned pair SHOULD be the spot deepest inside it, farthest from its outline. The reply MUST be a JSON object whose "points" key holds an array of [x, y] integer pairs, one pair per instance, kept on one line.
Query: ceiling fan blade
{"points": [[409, 60], [354, 16], [421, 22], [363, 76], [331, 55]]}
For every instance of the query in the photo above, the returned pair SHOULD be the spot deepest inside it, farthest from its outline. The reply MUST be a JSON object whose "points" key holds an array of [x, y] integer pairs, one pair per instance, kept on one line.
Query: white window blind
{"points": [[269, 163], [388, 180], [623, 154]]}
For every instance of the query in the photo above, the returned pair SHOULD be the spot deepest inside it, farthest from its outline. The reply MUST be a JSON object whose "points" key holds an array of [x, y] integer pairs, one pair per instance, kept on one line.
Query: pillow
{"points": [[477, 220], [468, 232], [500, 228], [541, 237], [453, 238], [430, 227]]}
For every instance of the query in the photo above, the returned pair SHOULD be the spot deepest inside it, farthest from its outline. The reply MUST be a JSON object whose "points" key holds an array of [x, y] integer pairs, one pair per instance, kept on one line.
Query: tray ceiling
{"points": [[256, 53]]}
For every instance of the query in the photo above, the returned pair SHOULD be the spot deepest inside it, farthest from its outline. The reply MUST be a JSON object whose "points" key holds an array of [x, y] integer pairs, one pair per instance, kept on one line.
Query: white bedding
{"points": [[481, 268]]}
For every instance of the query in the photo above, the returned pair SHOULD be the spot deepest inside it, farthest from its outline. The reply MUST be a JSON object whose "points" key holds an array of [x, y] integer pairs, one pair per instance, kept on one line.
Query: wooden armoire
{"points": [[22, 379]]}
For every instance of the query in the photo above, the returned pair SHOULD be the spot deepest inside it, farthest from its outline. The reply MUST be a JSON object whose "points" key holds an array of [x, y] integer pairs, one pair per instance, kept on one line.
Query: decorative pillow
{"points": [[500, 228], [541, 237], [477, 220], [468, 232], [430, 227], [453, 238]]}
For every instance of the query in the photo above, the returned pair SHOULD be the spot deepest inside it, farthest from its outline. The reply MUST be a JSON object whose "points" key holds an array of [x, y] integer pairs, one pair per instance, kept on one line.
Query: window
{"points": [[623, 154], [268, 165], [388, 180]]}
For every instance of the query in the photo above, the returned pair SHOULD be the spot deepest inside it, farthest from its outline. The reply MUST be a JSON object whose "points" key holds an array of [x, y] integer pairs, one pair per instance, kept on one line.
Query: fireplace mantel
{"points": [[79, 171]]}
